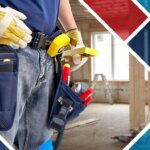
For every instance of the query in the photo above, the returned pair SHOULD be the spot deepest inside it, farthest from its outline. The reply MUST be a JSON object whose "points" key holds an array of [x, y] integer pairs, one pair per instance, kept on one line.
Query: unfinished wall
{"points": [[120, 90]]}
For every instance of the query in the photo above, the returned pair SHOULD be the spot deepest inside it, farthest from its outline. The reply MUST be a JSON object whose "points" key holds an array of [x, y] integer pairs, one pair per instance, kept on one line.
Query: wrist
{"points": [[72, 30]]}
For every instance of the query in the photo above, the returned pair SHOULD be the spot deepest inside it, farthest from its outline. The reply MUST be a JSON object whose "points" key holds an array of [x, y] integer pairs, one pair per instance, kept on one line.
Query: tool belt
{"points": [[54, 43], [65, 106], [8, 86], [41, 40]]}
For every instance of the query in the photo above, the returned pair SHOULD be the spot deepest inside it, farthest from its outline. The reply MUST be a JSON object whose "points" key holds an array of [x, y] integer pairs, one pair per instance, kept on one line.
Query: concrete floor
{"points": [[114, 120]]}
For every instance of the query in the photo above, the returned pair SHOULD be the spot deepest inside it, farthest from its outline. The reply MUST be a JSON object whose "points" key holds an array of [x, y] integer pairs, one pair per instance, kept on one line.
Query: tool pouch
{"points": [[8, 86], [66, 105]]}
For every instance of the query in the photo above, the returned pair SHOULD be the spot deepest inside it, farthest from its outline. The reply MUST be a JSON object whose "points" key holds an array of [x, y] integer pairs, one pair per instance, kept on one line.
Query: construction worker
{"points": [[19, 19]]}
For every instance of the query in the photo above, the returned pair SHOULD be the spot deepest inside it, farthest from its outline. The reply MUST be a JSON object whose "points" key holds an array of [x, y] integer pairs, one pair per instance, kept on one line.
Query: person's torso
{"points": [[41, 14]]}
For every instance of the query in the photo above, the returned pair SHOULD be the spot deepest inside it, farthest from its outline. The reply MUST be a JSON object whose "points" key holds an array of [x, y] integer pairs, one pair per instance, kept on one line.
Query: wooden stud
{"points": [[137, 95], [149, 90]]}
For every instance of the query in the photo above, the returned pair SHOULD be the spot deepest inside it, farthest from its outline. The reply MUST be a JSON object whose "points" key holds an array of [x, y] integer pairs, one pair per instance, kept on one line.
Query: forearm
{"points": [[65, 16]]}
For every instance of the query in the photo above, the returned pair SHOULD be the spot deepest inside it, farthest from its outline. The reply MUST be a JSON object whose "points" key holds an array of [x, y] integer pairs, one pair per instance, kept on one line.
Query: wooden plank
{"points": [[82, 123], [141, 90], [131, 97], [149, 90], [137, 93]]}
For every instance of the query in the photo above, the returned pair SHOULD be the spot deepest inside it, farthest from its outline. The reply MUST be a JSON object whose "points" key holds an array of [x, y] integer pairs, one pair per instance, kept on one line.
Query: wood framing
{"points": [[149, 90], [137, 95]]}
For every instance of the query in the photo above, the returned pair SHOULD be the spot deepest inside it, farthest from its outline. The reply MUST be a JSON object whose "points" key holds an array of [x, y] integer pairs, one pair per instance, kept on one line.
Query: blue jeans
{"points": [[35, 90]]}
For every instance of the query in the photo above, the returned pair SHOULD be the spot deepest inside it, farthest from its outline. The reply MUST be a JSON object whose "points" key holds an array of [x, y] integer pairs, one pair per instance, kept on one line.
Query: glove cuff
{"points": [[72, 30], [75, 34]]}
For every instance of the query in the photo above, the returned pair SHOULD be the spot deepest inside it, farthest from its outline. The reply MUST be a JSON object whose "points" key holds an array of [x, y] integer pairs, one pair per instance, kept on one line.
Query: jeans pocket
{"points": [[8, 89], [8, 96]]}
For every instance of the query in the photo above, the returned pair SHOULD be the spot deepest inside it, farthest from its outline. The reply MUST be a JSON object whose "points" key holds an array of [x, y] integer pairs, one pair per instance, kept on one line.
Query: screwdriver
{"points": [[66, 73], [87, 95]]}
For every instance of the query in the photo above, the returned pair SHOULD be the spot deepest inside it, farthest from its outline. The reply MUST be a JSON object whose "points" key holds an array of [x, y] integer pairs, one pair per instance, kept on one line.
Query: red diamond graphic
{"points": [[123, 16]]}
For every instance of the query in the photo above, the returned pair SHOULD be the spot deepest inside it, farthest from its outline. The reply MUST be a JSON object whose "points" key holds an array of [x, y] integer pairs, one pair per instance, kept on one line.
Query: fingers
{"points": [[22, 26], [16, 13], [77, 59], [20, 33], [13, 45], [13, 39], [8, 42], [4, 41], [27, 38], [76, 67], [22, 43]]}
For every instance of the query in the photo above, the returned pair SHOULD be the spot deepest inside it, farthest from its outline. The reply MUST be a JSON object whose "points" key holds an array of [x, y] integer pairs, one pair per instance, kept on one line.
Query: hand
{"points": [[13, 31], [75, 35], [77, 60]]}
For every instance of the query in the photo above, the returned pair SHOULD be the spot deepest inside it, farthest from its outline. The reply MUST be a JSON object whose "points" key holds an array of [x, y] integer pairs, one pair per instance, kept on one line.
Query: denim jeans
{"points": [[35, 90]]}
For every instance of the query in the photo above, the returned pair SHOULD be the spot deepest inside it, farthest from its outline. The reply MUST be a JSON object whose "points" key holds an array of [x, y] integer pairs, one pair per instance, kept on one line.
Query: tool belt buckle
{"points": [[40, 40]]}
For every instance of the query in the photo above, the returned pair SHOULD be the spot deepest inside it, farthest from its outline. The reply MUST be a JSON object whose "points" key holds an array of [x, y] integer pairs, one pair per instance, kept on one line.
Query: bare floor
{"points": [[114, 120]]}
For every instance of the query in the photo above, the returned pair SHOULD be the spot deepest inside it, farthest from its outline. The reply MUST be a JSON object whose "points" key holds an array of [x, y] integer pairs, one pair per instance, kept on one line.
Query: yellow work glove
{"points": [[75, 34], [77, 60], [13, 31]]}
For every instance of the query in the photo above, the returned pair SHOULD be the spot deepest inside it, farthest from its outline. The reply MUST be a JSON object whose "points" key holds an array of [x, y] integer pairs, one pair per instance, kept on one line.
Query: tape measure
{"points": [[58, 44]]}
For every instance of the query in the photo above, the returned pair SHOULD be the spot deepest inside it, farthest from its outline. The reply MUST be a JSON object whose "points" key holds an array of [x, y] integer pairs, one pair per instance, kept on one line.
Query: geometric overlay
{"points": [[4, 144], [141, 43], [145, 4], [3, 147], [46, 146], [143, 143], [122, 16]]}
